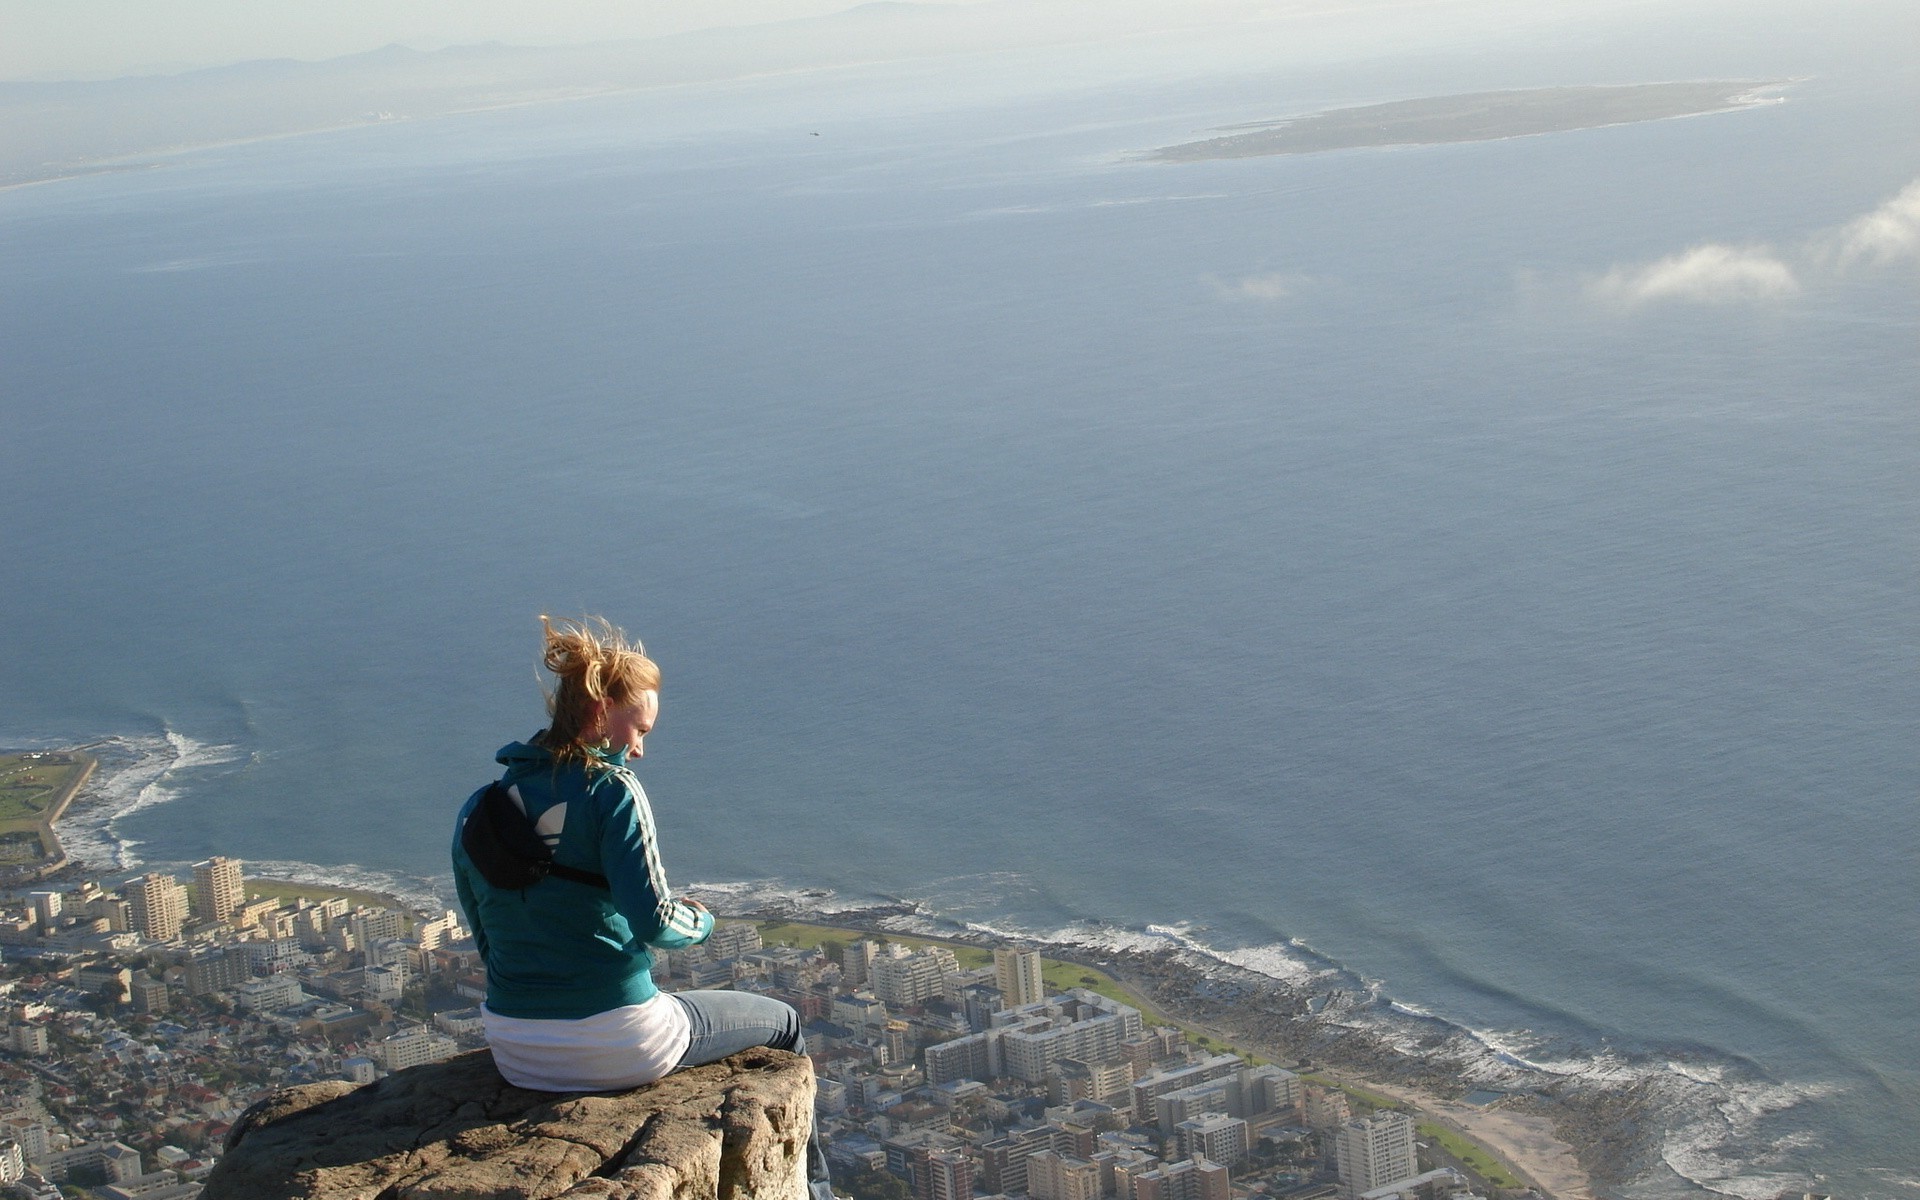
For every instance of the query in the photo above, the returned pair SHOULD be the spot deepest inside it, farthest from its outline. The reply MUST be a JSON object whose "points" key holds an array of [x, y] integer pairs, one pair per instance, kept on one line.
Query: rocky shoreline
{"points": [[1572, 1138]]}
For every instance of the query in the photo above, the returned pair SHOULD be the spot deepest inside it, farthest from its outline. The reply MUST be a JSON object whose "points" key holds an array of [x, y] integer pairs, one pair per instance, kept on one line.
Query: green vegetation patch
{"points": [[30, 784], [286, 892], [1060, 975], [1475, 1156], [793, 933], [835, 941]]}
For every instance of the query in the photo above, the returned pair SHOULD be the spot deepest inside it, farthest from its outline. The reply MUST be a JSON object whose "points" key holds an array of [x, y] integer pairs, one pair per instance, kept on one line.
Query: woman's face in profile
{"points": [[625, 726]]}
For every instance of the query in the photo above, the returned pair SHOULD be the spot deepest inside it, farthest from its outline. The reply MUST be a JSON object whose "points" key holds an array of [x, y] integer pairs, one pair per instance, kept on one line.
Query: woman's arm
{"points": [[630, 859]]}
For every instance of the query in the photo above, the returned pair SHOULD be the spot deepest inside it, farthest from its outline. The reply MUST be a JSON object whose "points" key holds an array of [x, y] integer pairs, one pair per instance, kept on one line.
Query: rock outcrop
{"points": [[456, 1130]]}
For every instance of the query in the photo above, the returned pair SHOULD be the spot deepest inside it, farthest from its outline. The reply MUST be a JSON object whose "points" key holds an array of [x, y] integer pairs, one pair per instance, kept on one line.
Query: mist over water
{"points": [[1370, 567]]}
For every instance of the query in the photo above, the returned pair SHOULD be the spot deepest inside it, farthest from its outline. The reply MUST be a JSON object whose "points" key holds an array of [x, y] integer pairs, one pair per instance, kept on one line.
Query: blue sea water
{"points": [[1314, 560]]}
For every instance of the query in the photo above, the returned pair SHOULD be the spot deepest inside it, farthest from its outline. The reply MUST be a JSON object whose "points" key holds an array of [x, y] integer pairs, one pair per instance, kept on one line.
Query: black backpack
{"points": [[509, 854]]}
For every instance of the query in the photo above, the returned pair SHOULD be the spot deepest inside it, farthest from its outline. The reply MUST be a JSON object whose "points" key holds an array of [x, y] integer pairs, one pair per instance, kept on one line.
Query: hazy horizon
{"points": [[105, 40], [1477, 572], [78, 94]]}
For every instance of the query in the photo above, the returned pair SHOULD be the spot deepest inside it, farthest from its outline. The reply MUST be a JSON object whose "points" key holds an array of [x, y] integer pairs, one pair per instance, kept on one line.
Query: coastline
{"points": [[1550, 1137], [1577, 1130], [79, 767]]}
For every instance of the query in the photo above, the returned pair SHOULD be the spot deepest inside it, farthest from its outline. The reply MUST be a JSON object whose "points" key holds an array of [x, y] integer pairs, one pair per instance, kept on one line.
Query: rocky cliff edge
{"points": [[456, 1130]]}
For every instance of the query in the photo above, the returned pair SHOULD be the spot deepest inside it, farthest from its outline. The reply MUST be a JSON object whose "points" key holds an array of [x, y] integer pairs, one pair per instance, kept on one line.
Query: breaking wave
{"points": [[136, 772], [142, 771]]}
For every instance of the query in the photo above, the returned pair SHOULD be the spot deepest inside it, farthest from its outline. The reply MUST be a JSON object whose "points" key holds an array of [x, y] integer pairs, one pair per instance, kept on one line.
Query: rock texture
{"points": [[456, 1130]]}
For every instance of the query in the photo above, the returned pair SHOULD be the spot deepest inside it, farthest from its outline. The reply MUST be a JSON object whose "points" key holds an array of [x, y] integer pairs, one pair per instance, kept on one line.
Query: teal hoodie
{"points": [[567, 950]]}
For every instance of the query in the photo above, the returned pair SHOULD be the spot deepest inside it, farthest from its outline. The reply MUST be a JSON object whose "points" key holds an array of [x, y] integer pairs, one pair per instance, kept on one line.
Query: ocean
{"points": [[1483, 572]]}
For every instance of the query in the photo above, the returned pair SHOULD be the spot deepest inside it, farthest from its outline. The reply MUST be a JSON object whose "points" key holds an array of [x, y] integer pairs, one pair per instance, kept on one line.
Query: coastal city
{"points": [[145, 1016]]}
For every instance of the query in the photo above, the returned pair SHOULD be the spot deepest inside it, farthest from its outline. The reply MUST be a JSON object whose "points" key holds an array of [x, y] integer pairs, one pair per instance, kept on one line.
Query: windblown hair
{"points": [[592, 662]]}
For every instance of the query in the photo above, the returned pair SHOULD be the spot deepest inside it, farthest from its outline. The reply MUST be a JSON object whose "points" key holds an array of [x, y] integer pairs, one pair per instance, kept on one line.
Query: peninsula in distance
{"points": [[1475, 117]]}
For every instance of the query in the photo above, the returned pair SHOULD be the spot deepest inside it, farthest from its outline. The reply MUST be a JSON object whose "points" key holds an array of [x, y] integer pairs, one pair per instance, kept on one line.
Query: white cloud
{"points": [[1716, 273], [1709, 274], [1886, 234], [1270, 286]]}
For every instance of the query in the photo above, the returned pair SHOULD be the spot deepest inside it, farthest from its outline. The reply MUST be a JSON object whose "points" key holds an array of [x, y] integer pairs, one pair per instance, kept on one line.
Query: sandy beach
{"points": [[1525, 1141]]}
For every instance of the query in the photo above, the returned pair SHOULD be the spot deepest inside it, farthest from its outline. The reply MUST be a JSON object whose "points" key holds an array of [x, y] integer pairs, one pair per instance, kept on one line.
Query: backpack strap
{"points": [[560, 870], [554, 867], [509, 852]]}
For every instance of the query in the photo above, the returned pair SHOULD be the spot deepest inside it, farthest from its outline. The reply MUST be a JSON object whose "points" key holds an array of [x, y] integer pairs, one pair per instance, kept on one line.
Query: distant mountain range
{"points": [[51, 130]]}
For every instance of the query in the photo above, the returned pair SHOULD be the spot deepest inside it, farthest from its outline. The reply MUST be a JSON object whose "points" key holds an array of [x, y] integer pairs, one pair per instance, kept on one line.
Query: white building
{"points": [[461, 1022], [1374, 1152], [414, 1046], [383, 984], [1215, 1136], [904, 979], [1081, 1024], [46, 911], [31, 1136], [270, 994], [443, 930]]}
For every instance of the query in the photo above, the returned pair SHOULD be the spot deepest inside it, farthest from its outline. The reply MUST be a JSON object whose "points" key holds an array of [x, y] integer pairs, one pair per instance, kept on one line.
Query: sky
{"points": [[59, 40], [43, 40]]}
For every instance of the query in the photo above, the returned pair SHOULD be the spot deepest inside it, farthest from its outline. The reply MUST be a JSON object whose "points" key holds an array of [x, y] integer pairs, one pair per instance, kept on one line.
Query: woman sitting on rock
{"points": [[571, 1004]]}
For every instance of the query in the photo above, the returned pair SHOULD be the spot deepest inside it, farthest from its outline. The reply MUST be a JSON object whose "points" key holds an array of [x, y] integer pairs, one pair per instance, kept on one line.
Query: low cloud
{"points": [[1268, 287], [1710, 274], [1885, 235], [1716, 273]]}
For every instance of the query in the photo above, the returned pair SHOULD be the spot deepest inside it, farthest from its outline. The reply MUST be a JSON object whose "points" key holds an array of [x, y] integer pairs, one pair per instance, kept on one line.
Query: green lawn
{"points": [[285, 891], [792, 933], [28, 788], [1059, 974], [1476, 1159]]}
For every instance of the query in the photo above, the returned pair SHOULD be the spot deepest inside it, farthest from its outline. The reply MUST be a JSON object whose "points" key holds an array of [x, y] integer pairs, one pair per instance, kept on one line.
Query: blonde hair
{"points": [[593, 664]]}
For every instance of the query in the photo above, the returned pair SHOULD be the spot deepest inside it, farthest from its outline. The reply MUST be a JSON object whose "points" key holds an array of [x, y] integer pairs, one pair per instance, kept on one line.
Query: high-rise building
{"points": [[1018, 974], [949, 1175], [46, 909], [904, 980], [441, 931], [1071, 1079], [159, 906], [856, 962], [910, 1156], [1248, 1092], [1052, 1175], [1327, 1108], [215, 969], [1215, 1136], [1079, 1024], [1149, 1088], [1188, 1179], [218, 891], [1373, 1152], [732, 940], [972, 1057]]}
